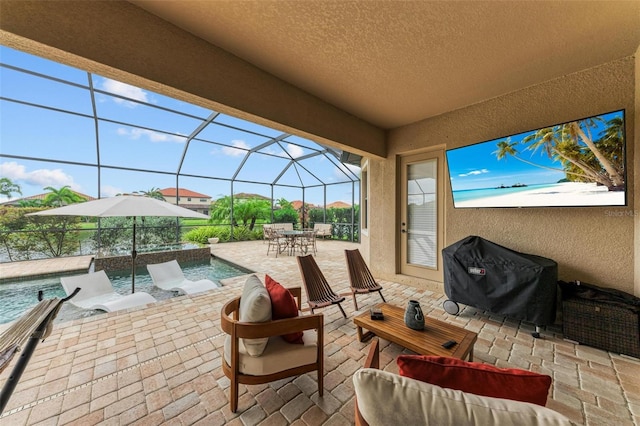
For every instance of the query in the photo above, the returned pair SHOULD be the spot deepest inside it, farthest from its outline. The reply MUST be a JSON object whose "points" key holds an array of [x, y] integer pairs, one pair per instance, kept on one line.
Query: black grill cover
{"points": [[488, 276]]}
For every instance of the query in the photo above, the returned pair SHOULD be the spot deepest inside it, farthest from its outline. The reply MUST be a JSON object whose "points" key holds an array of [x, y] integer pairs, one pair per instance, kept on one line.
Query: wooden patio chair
{"points": [[360, 277], [279, 359], [319, 294]]}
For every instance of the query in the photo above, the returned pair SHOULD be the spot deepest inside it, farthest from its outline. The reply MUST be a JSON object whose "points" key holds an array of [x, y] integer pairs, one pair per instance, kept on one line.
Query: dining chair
{"points": [[307, 241], [275, 240]]}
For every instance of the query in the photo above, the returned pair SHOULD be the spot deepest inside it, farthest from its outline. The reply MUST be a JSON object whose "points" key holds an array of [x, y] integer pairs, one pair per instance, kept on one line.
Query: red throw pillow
{"points": [[477, 378], [283, 305]]}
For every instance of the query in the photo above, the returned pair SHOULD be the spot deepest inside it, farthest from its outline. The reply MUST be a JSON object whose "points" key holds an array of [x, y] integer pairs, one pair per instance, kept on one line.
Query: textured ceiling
{"points": [[393, 63]]}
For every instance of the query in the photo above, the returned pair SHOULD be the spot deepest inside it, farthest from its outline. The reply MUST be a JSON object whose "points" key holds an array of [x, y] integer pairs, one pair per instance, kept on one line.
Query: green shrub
{"points": [[223, 233], [202, 234], [51, 236]]}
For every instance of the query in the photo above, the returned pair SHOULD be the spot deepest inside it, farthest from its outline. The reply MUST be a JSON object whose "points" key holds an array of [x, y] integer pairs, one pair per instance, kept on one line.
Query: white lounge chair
{"points": [[97, 293], [169, 276]]}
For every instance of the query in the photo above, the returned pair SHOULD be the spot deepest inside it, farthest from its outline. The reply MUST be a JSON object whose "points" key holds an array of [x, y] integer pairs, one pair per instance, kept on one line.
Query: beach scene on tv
{"points": [[579, 163]]}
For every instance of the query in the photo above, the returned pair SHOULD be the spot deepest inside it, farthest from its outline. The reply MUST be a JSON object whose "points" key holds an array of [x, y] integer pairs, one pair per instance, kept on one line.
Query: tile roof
{"points": [[182, 192], [338, 205], [42, 197]]}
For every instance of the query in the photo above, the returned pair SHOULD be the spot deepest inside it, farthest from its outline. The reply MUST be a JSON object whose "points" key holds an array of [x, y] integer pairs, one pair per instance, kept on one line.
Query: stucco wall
{"points": [[593, 244], [636, 174]]}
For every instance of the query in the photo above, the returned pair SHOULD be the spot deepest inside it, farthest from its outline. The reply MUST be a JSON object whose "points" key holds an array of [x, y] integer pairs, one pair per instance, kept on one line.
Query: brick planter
{"points": [[121, 263]]}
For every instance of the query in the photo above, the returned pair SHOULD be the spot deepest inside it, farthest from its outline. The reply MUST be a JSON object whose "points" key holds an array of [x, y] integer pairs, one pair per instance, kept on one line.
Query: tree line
{"points": [[54, 236]]}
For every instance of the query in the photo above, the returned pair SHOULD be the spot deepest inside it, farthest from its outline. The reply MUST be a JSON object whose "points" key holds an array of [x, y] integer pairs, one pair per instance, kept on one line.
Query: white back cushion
{"points": [[255, 306], [385, 399]]}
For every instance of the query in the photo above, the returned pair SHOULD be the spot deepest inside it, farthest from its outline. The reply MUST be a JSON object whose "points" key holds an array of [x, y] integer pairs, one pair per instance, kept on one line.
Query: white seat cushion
{"points": [[115, 302], [192, 287], [386, 398], [278, 355]]}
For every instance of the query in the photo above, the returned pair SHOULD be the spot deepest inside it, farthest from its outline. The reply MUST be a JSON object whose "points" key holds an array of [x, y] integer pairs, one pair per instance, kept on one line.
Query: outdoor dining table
{"points": [[291, 237]]}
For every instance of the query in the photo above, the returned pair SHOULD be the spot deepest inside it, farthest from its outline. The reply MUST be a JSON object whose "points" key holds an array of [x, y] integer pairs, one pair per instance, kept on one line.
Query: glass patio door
{"points": [[422, 215]]}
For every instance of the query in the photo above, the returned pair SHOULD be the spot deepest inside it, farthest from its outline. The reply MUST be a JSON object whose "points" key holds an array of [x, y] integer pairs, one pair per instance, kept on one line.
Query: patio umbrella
{"points": [[123, 206]]}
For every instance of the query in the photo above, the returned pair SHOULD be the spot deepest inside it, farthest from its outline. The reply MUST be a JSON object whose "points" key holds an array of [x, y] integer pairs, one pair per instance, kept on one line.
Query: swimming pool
{"points": [[21, 295]]}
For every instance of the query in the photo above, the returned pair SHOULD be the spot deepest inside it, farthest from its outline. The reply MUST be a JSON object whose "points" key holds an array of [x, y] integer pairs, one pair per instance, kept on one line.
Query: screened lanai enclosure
{"points": [[65, 129]]}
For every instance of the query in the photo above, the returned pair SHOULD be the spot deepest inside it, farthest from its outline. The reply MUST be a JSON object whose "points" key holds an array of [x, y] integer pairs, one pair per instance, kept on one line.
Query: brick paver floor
{"points": [[162, 364]]}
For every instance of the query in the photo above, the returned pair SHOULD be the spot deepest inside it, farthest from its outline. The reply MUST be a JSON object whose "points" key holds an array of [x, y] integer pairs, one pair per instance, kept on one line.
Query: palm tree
{"points": [[152, 193], [61, 197], [30, 203], [285, 213], [251, 210], [283, 203], [7, 187], [221, 209], [246, 212]]}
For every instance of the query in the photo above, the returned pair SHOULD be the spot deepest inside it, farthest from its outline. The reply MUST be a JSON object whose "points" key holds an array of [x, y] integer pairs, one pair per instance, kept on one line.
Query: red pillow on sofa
{"points": [[283, 305], [477, 378]]}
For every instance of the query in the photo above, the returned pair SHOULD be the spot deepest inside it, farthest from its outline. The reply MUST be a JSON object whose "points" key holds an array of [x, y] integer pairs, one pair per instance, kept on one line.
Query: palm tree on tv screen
{"points": [[572, 144], [152, 193]]}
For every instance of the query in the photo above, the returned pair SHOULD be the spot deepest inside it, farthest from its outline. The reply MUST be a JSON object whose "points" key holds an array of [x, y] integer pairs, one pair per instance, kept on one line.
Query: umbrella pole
{"points": [[134, 254]]}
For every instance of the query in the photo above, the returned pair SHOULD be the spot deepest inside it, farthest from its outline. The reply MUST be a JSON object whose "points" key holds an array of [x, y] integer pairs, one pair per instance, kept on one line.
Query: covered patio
{"points": [[162, 364]]}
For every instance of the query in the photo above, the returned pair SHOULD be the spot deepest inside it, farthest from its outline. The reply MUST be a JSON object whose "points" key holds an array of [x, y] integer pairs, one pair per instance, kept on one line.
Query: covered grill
{"points": [[480, 273]]}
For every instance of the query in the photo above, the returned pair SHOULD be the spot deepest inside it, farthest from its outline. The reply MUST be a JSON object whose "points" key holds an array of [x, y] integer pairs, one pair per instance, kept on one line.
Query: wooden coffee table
{"points": [[425, 342]]}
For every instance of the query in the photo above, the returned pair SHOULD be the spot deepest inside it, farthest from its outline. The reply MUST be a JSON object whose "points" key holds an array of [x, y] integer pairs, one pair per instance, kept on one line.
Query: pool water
{"points": [[17, 297]]}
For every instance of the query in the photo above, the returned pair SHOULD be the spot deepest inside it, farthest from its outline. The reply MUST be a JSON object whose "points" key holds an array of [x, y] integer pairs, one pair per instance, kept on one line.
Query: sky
{"points": [[477, 166], [138, 129]]}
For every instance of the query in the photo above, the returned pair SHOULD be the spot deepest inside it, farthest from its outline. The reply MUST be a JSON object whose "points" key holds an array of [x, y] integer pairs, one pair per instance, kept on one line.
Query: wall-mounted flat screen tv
{"points": [[575, 164]]}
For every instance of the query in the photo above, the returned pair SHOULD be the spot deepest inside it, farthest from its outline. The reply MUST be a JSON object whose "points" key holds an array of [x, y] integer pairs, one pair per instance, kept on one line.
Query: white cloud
{"points": [[294, 150], [56, 178], [341, 175], [110, 191], [239, 148], [474, 172], [126, 90], [135, 133]]}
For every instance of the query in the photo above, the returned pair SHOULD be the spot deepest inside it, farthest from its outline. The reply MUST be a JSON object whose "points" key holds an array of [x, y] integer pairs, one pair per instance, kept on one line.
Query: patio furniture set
{"points": [[269, 339], [291, 241]]}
